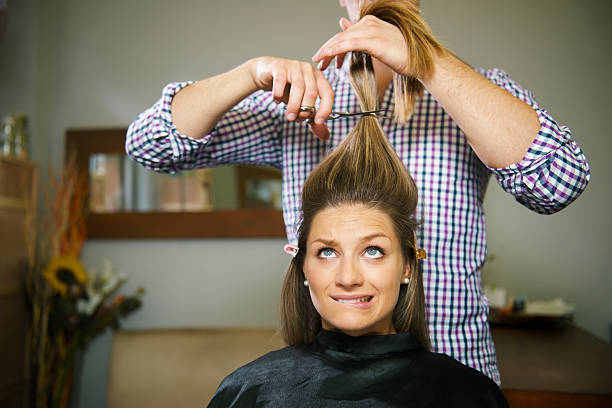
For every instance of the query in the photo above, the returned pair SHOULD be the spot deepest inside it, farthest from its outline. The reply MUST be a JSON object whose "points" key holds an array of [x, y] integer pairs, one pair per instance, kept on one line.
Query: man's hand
{"points": [[295, 83], [378, 38]]}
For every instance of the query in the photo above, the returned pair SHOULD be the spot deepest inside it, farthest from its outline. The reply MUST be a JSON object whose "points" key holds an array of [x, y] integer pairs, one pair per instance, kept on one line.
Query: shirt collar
{"points": [[378, 344]]}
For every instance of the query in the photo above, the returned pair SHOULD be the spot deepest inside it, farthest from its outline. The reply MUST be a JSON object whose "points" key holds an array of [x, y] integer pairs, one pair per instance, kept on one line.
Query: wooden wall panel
{"points": [[18, 187]]}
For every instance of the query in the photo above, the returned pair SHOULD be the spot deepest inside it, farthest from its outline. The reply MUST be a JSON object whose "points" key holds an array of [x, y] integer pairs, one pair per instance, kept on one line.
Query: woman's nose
{"points": [[349, 273]]}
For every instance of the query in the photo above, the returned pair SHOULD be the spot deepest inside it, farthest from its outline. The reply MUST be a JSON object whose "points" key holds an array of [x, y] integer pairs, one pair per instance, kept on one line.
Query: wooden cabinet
{"points": [[553, 368], [18, 186]]}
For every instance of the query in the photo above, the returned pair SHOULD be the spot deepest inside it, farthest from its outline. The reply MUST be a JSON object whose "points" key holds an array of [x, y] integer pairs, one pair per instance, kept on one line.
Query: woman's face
{"points": [[354, 267]]}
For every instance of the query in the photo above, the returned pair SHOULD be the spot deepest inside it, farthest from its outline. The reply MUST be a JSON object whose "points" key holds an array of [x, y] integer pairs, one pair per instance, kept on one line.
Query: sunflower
{"points": [[63, 271]]}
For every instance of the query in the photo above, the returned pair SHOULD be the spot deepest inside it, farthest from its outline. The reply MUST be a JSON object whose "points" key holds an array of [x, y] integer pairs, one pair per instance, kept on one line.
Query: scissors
{"points": [[337, 115]]}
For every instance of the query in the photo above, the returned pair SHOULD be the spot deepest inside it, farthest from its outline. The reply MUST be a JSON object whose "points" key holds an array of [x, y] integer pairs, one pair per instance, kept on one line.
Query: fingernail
{"points": [[319, 121], [291, 116], [320, 65]]}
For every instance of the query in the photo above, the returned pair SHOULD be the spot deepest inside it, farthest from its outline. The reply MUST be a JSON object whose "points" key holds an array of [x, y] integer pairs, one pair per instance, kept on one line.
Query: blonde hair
{"points": [[364, 170]]}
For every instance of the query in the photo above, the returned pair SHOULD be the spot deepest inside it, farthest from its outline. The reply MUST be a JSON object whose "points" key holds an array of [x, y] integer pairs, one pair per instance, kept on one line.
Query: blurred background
{"points": [[89, 64]]}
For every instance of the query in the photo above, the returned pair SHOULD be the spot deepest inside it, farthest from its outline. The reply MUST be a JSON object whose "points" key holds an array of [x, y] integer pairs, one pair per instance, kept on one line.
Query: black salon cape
{"points": [[337, 370]]}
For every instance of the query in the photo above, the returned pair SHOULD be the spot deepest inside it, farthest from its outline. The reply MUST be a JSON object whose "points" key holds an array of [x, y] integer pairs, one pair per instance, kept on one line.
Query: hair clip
{"points": [[291, 250], [420, 254]]}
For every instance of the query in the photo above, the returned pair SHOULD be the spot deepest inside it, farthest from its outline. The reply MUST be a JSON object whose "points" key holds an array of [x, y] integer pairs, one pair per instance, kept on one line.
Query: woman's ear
{"points": [[406, 273]]}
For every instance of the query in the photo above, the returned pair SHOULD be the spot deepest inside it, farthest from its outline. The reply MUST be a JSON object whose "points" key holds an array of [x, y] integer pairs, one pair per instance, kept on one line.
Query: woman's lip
{"points": [[353, 301], [349, 297]]}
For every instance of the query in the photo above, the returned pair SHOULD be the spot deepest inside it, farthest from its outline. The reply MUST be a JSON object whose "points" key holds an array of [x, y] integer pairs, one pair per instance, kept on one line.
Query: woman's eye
{"points": [[373, 252], [326, 253]]}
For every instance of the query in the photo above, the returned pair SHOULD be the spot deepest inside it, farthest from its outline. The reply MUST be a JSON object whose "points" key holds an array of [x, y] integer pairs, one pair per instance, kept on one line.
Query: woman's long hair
{"points": [[365, 170]]}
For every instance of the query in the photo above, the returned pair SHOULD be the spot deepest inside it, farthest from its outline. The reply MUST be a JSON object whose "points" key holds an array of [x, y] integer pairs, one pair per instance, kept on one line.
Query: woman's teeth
{"points": [[358, 300]]}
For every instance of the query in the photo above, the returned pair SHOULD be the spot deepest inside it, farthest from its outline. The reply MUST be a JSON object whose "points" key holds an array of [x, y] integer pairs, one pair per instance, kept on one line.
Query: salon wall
{"points": [[18, 62], [80, 63]]}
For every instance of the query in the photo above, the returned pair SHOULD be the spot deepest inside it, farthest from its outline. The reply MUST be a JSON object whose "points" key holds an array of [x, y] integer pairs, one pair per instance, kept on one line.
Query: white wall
{"points": [[81, 63], [18, 61]]}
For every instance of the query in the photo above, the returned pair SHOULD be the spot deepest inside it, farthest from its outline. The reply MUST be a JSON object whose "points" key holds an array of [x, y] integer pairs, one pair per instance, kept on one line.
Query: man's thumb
{"points": [[345, 24]]}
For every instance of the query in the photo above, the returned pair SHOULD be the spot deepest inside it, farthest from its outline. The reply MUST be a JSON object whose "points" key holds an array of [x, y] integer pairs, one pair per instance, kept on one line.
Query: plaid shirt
{"points": [[450, 177]]}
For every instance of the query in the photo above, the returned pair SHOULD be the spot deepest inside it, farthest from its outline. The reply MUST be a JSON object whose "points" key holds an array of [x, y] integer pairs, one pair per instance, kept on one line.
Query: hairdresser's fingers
{"points": [[320, 131], [296, 94], [378, 38], [279, 86], [378, 46], [311, 91], [326, 95], [345, 24], [324, 63], [324, 57], [270, 74], [353, 39], [328, 50]]}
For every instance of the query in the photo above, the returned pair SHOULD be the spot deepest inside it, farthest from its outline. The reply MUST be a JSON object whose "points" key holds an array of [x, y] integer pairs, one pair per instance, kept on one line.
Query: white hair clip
{"points": [[291, 250]]}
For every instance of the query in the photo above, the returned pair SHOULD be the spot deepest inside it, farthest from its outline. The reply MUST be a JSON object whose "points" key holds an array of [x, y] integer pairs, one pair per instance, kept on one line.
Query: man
{"points": [[467, 125]]}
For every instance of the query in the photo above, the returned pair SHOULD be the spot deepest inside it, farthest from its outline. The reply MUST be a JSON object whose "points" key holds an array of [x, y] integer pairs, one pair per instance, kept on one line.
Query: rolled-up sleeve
{"points": [[247, 134], [554, 171]]}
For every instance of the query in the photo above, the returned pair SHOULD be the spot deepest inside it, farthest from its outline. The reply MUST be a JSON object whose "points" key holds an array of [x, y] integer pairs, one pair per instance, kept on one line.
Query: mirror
{"points": [[117, 184], [128, 201]]}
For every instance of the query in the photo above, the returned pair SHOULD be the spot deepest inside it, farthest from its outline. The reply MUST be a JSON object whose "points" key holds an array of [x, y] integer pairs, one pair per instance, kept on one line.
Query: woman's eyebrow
{"points": [[329, 242], [372, 236]]}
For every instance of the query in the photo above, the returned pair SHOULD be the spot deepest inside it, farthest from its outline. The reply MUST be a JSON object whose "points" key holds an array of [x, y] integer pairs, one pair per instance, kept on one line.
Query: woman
{"points": [[352, 306]]}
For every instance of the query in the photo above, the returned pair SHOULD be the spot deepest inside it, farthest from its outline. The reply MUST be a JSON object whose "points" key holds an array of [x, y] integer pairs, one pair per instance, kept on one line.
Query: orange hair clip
{"points": [[420, 254]]}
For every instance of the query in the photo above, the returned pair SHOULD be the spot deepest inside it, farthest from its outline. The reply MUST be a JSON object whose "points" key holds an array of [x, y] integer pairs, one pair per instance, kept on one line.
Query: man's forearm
{"points": [[197, 107], [499, 127]]}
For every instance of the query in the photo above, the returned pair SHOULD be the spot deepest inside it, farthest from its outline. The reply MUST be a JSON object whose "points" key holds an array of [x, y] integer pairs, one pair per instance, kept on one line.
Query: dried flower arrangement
{"points": [[69, 304]]}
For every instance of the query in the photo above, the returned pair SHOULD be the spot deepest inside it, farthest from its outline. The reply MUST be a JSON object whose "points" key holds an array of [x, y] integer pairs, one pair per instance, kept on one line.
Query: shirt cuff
{"points": [[184, 148], [549, 139]]}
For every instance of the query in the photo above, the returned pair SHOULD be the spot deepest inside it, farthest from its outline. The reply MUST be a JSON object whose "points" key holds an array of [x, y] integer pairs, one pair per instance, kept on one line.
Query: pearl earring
{"points": [[306, 283], [406, 280]]}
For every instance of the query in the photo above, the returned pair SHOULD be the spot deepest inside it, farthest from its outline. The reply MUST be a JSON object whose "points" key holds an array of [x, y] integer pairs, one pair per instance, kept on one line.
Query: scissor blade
{"points": [[357, 113], [349, 114]]}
